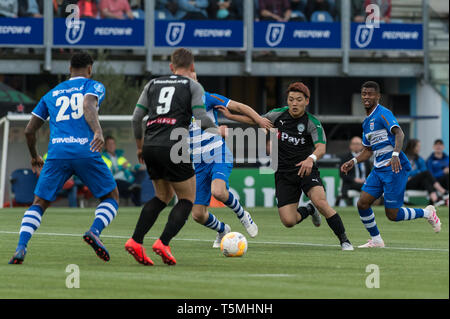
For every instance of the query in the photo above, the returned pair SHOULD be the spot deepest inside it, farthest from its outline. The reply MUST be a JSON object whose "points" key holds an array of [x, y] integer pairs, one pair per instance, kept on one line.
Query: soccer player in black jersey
{"points": [[170, 102], [301, 142]]}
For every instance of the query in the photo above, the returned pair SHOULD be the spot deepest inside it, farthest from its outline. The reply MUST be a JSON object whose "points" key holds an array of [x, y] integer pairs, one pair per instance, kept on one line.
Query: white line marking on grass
{"points": [[250, 242], [269, 275]]}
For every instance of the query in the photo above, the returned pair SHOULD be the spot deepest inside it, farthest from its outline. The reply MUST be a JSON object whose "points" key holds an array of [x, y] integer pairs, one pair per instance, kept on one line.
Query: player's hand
{"points": [[97, 142], [223, 130], [347, 166], [139, 155], [36, 164], [395, 164], [264, 123], [305, 167], [222, 109]]}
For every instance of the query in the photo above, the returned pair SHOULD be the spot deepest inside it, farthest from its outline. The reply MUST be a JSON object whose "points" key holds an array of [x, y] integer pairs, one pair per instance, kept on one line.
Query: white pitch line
{"points": [[250, 241]]}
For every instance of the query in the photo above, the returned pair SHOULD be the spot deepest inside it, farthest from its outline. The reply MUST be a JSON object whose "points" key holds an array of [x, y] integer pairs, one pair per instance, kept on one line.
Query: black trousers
{"points": [[423, 181]]}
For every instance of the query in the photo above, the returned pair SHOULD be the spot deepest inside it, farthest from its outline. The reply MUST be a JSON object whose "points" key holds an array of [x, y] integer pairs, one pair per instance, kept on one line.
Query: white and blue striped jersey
{"points": [[377, 134], [207, 148], [70, 134]]}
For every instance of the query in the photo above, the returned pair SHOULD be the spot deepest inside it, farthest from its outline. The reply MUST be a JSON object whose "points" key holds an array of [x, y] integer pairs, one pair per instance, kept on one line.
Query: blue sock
{"points": [[214, 223], [234, 204], [105, 212], [409, 214], [368, 218], [30, 223]]}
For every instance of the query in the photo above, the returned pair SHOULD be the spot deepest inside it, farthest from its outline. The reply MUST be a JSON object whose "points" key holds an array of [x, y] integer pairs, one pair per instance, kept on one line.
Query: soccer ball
{"points": [[233, 244]]}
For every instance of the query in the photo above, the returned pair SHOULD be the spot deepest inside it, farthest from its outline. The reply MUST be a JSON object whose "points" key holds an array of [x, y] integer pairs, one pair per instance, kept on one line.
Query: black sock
{"points": [[304, 211], [149, 214], [335, 223], [177, 218]]}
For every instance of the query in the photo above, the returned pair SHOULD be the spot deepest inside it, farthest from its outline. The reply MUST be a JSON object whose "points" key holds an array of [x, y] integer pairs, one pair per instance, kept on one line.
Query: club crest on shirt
{"points": [[372, 126], [300, 128]]}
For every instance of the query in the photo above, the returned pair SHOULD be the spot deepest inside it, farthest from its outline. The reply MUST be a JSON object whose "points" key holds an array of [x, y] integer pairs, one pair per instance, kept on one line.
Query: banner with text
{"points": [[98, 33], [388, 36], [297, 35], [206, 34], [21, 31], [255, 189]]}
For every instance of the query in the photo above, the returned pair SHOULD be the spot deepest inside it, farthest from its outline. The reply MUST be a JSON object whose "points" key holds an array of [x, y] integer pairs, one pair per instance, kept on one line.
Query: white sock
{"points": [[377, 238], [426, 213]]}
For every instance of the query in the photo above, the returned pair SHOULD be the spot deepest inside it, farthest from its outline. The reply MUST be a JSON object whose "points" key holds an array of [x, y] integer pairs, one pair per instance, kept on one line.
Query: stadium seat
{"points": [[23, 181], [321, 16], [415, 193]]}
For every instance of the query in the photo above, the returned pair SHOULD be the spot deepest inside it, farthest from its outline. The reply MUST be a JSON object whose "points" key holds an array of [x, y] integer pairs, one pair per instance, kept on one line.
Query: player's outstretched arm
{"points": [[91, 117], [251, 113], [33, 126], [234, 117]]}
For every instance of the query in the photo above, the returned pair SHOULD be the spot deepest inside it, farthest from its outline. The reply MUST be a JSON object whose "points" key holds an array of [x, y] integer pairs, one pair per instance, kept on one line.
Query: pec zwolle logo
{"points": [[175, 32], [274, 34], [75, 31], [363, 35]]}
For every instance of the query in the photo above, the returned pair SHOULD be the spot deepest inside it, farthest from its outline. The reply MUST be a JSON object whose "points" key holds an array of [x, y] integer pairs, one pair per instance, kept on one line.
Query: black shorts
{"points": [[160, 166], [289, 186]]}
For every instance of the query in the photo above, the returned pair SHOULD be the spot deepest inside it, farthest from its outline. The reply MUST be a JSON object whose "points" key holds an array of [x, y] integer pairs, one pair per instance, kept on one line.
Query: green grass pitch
{"points": [[286, 263]]}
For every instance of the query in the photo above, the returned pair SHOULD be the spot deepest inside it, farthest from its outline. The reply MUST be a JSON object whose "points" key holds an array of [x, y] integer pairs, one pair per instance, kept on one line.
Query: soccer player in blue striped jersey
{"points": [[76, 139], [213, 164], [383, 138]]}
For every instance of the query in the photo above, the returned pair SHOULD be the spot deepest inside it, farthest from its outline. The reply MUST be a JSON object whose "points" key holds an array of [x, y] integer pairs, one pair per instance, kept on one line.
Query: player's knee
{"points": [[288, 223]]}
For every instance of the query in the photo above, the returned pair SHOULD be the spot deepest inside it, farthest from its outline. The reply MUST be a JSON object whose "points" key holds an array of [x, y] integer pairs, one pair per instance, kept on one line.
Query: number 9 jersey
{"points": [[70, 134]]}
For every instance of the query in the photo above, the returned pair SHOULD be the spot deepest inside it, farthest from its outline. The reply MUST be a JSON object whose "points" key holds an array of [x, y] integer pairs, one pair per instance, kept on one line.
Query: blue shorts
{"points": [[385, 181], [204, 175], [92, 171]]}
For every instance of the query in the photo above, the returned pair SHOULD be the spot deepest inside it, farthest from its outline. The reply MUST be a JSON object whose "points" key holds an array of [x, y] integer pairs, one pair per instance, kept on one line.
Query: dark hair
{"points": [[182, 58], [438, 141], [109, 137], [298, 87], [371, 84], [81, 60], [409, 150]]}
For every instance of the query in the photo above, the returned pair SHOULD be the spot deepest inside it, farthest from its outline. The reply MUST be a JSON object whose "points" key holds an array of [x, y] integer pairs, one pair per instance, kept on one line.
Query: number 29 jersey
{"points": [[70, 134]]}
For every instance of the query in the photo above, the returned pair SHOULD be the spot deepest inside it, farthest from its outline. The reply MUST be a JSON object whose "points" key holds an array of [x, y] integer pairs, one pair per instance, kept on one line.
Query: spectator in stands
{"points": [[358, 11], [278, 10], [63, 6], [122, 171], [355, 178], [116, 9], [88, 9], [420, 177], [168, 10], [437, 163], [193, 9], [9, 9], [224, 10], [138, 9], [298, 10], [29, 8], [385, 9], [319, 5]]}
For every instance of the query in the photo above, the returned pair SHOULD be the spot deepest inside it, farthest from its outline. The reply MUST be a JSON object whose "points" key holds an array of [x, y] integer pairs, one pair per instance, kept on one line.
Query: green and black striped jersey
{"points": [[296, 137]]}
